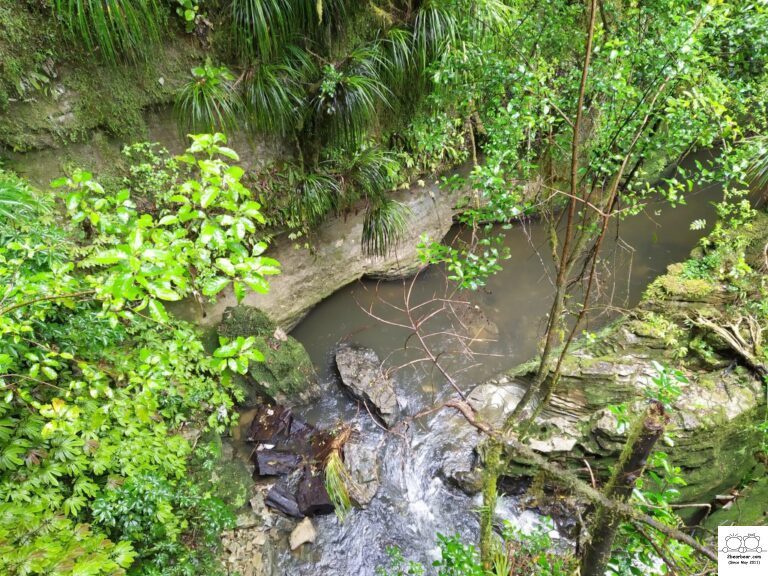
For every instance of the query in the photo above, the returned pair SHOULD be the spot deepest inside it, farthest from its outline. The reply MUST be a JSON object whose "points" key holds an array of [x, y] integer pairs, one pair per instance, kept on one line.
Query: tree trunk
{"points": [[630, 467], [491, 469]]}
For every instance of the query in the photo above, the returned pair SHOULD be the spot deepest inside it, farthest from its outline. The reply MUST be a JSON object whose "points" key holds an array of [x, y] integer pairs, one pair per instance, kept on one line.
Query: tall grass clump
{"points": [[116, 29]]}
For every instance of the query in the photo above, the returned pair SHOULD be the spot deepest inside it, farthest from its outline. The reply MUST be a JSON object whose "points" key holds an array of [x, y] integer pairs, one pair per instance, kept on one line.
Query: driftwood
{"points": [[606, 522], [574, 483]]}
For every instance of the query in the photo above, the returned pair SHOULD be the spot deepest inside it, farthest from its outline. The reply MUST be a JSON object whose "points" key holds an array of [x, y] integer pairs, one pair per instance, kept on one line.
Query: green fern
{"points": [[117, 29]]}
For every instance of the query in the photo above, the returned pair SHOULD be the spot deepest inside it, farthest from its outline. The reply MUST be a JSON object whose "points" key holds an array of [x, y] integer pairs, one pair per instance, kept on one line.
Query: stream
{"points": [[414, 503]]}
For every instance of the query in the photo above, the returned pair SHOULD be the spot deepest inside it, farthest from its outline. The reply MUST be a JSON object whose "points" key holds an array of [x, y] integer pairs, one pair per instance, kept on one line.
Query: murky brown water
{"points": [[515, 301]]}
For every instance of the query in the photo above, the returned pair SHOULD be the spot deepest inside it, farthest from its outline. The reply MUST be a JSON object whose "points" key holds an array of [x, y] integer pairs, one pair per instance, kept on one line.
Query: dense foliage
{"points": [[102, 393]]}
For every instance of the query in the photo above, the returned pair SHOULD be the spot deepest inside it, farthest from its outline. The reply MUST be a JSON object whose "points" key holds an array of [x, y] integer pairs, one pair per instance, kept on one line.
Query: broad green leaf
{"points": [[157, 311], [215, 285], [208, 196], [226, 266]]}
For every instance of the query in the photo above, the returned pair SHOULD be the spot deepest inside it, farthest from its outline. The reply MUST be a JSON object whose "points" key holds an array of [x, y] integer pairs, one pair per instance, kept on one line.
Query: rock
{"points": [[274, 462], [311, 495], [470, 320], [287, 374], [276, 425], [281, 497], [362, 462], [360, 371], [493, 402], [304, 533], [336, 258]]}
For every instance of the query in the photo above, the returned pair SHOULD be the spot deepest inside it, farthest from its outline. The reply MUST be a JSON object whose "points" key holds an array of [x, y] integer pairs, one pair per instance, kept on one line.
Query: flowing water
{"points": [[413, 502]]}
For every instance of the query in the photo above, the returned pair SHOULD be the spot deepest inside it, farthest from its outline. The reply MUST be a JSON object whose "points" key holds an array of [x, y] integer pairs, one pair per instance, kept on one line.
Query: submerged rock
{"points": [[360, 371], [304, 533], [362, 462]]}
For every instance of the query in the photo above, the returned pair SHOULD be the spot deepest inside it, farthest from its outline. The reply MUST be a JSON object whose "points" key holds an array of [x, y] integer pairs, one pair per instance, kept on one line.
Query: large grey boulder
{"points": [[361, 375]]}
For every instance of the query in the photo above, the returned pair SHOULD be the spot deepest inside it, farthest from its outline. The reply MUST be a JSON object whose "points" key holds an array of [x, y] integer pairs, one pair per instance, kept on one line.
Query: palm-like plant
{"points": [[385, 223], [209, 102], [303, 77], [118, 29]]}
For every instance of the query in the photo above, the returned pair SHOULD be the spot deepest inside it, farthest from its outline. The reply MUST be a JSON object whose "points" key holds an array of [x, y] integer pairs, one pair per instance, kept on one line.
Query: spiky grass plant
{"points": [[346, 106], [336, 484], [118, 29], [274, 92], [338, 481], [385, 223], [17, 200], [316, 197], [209, 102], [758, 169], [434, 26]]}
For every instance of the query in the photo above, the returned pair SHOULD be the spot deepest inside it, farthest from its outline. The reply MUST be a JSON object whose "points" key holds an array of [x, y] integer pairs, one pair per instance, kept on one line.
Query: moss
{"points": [[749, 509], [245, 321], [287, 371], [674, 285], [28, 46], [217, 469], [62, 94]]}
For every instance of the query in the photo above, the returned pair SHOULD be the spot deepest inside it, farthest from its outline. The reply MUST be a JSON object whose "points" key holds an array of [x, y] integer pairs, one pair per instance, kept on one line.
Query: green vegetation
{"points": [[100, 387], [286, 372], [116, 28], [533, 553], [566, 110], [209, 102]]}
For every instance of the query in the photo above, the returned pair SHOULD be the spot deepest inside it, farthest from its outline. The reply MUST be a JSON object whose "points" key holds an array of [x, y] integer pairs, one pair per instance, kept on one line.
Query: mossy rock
{"points": [[286, 374], [673, 285], [750, 509], [219, 470]]}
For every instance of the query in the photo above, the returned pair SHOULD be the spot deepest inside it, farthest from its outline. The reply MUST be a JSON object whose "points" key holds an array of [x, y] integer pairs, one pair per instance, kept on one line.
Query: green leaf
{"points": [[215, 285], [226, 266], [257, 284], [208, 196], [157, 311], [228, 350]]}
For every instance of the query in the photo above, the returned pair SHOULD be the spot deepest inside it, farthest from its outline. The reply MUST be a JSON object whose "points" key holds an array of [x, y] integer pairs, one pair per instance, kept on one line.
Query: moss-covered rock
{"points": [[676, 286], [53, 93], [287, 373], [750, 508]]}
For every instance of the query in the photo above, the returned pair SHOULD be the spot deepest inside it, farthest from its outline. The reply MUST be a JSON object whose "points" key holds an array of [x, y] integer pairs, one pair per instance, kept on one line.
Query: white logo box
{"points": [[742, 550]]}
